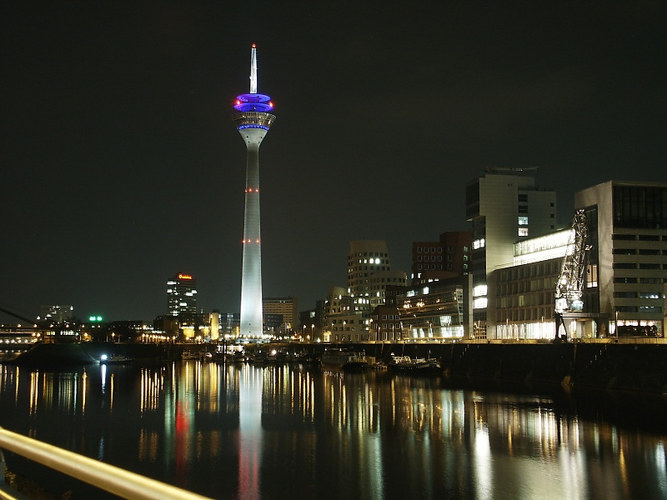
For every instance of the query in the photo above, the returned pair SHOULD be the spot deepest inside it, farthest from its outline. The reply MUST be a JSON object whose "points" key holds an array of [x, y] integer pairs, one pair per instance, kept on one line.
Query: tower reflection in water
{"points": [[248, 431]]}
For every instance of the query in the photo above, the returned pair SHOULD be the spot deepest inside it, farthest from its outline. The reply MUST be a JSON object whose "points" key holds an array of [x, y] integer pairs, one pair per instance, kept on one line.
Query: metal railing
{"points": [[107, 477]]}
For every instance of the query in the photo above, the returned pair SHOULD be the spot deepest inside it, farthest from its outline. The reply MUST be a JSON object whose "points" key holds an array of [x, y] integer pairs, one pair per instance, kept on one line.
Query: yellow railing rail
{"points": [[107, 477]]}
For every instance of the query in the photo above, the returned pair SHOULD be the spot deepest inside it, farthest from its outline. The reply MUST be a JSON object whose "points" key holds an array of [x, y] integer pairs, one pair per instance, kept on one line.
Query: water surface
{"points": [[251, 432]]}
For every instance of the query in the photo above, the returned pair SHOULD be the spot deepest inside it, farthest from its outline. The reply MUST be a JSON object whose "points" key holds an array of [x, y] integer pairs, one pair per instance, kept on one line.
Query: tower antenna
{"points": [[253, 69]]}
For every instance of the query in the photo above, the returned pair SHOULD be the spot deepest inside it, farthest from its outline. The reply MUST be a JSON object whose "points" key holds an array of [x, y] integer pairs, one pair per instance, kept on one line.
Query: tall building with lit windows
{"points": [[627, 261], [253, 119], [181, 294], [504, 206]]}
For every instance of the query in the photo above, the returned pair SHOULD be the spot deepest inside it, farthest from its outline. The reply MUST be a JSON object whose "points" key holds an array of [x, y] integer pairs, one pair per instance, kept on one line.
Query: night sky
{"points": [[121, 165]]}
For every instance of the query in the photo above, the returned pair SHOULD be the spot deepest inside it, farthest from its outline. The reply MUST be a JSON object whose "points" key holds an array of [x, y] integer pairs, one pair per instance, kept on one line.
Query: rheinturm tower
{"points": [[253, 119]]}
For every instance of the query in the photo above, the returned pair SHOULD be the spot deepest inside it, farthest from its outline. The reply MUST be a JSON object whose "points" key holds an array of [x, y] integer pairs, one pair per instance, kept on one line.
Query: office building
{"points": [[627, 223], [524, 292], [181, 295], [435, 260], [286, 308], [504, 206]]}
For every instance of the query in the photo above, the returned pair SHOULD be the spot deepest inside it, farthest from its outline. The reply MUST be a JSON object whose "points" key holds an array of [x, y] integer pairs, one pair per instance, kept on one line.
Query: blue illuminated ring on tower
{"points": [[253, 102]]}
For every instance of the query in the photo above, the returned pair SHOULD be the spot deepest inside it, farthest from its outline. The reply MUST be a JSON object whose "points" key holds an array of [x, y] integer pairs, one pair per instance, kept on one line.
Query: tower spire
{"points": [[253, 69]]}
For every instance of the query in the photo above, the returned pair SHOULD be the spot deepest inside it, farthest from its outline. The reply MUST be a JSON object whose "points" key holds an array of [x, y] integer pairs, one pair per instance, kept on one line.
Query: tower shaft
{"points": [[251, 277]]}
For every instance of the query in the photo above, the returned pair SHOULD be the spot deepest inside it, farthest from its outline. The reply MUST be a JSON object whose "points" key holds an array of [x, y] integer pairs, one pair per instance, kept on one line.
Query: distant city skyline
{"points": [[121, 166]]}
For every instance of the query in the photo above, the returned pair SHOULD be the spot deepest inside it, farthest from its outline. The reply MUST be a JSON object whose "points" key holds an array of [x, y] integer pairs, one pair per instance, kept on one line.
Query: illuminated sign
{"points": [[184, 276], [94, 319]]}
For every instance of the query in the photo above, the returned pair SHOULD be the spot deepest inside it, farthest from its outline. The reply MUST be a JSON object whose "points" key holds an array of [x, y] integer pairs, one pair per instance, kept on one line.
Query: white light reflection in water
{"points": [[661, 468], [152, 383], [84, 390], [34, 391], [103, 377], [482, 461], [250, 432]]}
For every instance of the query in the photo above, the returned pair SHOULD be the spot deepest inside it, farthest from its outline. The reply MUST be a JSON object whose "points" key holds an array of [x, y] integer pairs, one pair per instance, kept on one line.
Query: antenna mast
{"points": [[253, 69]]}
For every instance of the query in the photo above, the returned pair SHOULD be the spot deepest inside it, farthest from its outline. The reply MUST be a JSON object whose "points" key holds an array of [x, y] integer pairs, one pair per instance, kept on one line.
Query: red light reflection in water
{"points": [[182, 443]]}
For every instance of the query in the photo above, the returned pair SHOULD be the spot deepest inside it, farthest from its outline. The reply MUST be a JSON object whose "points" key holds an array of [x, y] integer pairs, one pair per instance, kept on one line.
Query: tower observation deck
{"points": [[253, 119]]}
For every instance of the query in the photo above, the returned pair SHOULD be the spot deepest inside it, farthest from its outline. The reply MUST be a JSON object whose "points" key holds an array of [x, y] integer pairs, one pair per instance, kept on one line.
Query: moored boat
{"points": [[344, 359], [115, 359], [406, 364]]}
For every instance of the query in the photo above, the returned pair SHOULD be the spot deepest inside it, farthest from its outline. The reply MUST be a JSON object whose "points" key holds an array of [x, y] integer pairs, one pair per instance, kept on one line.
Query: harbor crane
{"points": [[570, 284]]}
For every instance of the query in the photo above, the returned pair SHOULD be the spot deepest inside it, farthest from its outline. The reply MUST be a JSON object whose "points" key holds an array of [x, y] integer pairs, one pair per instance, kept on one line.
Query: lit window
{"points": [[480, 243], [523, 220], [523, 231], [479, 303]]}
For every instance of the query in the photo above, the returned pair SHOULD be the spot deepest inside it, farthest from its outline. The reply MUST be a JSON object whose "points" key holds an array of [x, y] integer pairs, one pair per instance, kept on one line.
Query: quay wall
{"points": [[631, 367]]}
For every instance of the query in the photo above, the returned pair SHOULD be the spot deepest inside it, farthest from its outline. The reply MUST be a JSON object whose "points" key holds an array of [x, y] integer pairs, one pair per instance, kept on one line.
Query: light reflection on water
{"points": [[280, 432]]}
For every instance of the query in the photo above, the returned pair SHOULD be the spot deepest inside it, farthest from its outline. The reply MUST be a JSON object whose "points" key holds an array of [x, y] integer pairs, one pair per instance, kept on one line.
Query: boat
{"points": [[406, 364], [229, 354], [115, 359], [190, 355], [344, 359]]}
